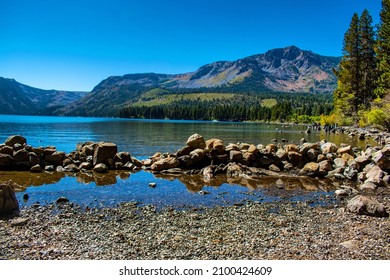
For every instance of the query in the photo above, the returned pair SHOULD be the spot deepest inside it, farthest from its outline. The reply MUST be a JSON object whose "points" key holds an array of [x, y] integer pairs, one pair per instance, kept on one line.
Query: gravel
{"points": [[280, 230]]}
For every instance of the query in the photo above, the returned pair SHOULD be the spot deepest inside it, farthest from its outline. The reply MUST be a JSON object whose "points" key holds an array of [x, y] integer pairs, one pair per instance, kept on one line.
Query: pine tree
{"points": [[348, 74], [368, 61], [383, 50]]}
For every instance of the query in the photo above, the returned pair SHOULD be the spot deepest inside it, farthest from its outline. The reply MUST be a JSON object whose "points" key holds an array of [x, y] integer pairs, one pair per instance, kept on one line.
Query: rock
{"points": [[368, 186], [342, 193], [152, 185], [280, 184], [58, 168], [375, 175], [85, 165], [62, 200], [54, 158], [21, 155], [252, 149], [385, 150], [7, 150], [197, 155], [196, 141], [291, 148], [344, 150], [234, 170], [274, 168], [15, 139], [381, 160], [136, 162], [70, 168], [19, 222], [184, 151], [347, 157], [104, 151], [166, 163], [351, 173], [122, 157], [325, 166], [350, 244], [328, 147], [312, 154], [363, 205], [5, 161], [270, 148], [310, 169], [8, 201], [33, 159], [339, 162], [26, 196], [281, 154], [303, 140], [235, 155], [36, 169], [232, 147], [305, 147], [100, 168], [294, 158], [129, 166]]}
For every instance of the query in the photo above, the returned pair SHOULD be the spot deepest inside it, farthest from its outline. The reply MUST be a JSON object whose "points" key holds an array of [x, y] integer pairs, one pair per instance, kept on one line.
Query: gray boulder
{"points": [[363, 205]]}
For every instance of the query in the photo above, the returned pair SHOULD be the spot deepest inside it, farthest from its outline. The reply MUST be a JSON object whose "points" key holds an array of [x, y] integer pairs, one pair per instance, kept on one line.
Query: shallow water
{"points": [[142, 138]]}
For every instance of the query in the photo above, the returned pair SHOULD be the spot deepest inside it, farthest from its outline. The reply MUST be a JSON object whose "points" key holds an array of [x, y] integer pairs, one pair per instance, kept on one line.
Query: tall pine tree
{"points": [[348, 74], [383, 50], [368, 67], [357, 73]]}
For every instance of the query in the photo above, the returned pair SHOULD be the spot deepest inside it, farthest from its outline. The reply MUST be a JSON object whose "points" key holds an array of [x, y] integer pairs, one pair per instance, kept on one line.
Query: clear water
{"points": [[142, 138]]}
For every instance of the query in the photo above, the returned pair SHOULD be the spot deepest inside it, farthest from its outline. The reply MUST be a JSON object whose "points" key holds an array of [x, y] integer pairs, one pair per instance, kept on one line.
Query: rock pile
{"points": [[322, 159], [15, 154]]}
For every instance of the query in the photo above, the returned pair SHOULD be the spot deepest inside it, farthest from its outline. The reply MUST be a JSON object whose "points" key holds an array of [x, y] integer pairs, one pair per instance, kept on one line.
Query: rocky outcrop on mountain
{"points": [[279, 70]]}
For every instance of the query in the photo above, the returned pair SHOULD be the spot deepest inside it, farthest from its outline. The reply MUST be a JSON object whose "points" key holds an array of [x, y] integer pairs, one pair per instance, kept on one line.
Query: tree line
{"points": [[289, 107], [363, 75]]}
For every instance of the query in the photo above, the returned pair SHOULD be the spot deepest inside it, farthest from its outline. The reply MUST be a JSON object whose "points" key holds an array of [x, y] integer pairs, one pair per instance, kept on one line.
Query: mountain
{"points": [[17, 98], [280, 70]]}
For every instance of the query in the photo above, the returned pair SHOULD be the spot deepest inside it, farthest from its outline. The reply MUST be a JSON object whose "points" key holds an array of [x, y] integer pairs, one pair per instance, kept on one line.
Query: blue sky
{"points": [[74, 44]]}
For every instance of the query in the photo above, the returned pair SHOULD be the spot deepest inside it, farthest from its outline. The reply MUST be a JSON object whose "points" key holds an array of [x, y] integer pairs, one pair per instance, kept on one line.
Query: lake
{"points": [[142, 138]]}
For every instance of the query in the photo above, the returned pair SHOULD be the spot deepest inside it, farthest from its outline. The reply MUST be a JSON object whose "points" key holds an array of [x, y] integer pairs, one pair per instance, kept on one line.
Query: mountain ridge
{"points": [[280, 70]]}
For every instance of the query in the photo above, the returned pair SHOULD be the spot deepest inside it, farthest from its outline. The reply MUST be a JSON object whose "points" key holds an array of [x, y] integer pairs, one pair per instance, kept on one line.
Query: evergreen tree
{"points": [[368, 61], [383, 50], [349, 81]]}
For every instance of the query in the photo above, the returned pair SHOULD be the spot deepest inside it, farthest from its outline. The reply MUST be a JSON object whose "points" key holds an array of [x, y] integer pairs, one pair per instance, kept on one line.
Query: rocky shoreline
{"points": [[357, 228]]}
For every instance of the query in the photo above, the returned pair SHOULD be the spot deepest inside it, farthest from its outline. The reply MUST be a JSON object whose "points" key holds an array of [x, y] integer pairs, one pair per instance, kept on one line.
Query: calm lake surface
{"points": [[142, 138]]}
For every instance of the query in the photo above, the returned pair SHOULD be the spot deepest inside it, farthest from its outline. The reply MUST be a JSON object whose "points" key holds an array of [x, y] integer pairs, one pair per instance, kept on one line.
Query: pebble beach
{"points": [[283, 231]]}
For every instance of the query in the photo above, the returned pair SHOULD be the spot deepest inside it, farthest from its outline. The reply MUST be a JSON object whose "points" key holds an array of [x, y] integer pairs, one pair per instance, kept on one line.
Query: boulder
{"points": [[100, 168], [281, 154], [5, 161], [85, 165], [363, 205], [122, 157], [15, 139], [69, 168], [104, 151], [7, 150], [8, 201], [36, 168], [339, 162], [375, 175], [325, 166], [54, 158], [234, 170], [381, 160], [291, 148], [235, 155], [328, 147], [310, 169], [21, 155], [196, 141], [165, 163], [346, 149], [197, 155], [33, 159], [294, 157], [184, 151], [351, 173], [312, 154]]}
